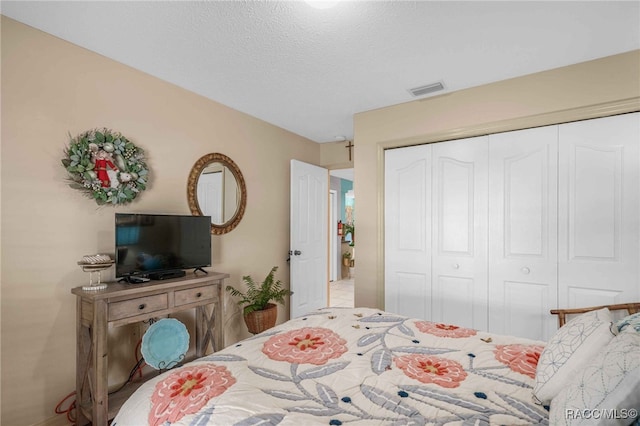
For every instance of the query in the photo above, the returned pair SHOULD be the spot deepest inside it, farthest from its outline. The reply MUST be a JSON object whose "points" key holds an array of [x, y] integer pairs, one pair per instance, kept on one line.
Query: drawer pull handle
{"points": [[198, 294], [142, 306]]}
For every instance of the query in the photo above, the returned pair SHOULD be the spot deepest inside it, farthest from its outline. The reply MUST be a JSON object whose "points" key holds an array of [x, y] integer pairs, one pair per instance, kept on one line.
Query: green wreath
{"points": [[106, 166]]}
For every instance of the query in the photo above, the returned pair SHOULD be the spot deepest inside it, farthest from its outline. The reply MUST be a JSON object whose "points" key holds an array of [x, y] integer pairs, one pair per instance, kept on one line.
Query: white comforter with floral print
{"points": [[357, 366]]}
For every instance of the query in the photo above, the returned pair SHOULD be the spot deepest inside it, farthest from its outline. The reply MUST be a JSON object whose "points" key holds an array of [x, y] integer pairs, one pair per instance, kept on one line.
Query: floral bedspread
{"points": [[356, 366]]}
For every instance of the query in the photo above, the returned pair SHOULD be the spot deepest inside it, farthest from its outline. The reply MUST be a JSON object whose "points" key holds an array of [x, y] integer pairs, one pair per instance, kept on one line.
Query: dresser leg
{"points": [[83, 352], [99, 374]]}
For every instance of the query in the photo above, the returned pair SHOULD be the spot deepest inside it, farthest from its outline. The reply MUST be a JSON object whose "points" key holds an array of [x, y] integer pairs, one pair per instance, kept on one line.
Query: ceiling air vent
{"points": [[425, 90]]}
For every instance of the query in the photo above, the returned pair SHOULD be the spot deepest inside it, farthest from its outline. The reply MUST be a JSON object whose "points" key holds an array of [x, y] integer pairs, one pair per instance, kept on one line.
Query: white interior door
{"points": [[599, 210], [459, 234], [407, 238], [523, 243], [309, 241]]}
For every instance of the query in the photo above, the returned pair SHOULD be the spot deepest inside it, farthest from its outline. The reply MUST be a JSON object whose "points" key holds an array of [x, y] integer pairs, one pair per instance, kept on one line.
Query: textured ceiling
{"points": [[310, 70]]}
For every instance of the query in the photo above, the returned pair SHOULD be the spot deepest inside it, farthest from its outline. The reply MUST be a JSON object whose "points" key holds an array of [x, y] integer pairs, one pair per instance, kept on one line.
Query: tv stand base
{"points": [[133, 280], [167, 275]]}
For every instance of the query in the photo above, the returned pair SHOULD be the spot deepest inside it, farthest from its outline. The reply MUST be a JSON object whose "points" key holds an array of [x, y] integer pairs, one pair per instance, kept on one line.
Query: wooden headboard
{"points": [[632, 308]]}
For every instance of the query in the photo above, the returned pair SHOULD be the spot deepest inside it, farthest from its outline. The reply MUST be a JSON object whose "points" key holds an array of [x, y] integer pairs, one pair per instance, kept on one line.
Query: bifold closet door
{"points": [[599, 211], [459, 232], [523, 182], [407, 237]]}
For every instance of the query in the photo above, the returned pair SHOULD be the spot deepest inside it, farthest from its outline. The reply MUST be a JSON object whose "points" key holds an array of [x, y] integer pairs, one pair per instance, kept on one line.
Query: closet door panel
{"points": [[459, 254], [455, 302], [598, 232], [527, 314], [407, 219], [523, 232], [412, 294]]}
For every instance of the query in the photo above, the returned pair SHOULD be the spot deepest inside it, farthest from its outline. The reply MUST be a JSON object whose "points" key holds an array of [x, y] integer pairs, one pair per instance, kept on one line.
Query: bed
{"points": [[364, 366], [350, 366]]}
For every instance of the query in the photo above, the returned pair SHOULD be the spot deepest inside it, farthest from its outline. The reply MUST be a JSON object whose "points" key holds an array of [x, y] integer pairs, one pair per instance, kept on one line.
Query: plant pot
{"points": [[346, 261], [259, 321]]}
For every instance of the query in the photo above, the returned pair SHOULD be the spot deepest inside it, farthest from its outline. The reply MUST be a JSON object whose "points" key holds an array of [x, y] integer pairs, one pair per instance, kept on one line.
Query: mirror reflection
{"points": [[216, 188], [218, 193]]}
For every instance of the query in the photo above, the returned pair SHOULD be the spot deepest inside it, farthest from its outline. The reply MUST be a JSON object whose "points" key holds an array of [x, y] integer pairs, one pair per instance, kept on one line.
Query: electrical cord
{"points": [[69, 411], [138, 359], [133, 372]]}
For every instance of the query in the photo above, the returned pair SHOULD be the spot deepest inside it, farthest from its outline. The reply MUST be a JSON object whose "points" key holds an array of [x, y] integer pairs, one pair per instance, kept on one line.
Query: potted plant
{"points": [[350, 229], [346, 258], [259, 313]]}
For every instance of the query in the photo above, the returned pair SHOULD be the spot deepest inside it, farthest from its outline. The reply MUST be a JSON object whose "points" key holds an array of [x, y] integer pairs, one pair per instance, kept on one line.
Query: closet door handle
{"points": [[525, 270], [455, 266]]}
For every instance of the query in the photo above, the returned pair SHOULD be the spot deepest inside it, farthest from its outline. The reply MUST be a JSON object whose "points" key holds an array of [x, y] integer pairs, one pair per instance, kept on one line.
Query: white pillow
{"points": [[607, 390], [570, 349]]}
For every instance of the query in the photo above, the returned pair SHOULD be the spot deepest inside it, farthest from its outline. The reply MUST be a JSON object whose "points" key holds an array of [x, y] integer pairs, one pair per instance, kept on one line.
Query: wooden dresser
{"points": [[121, 304]]}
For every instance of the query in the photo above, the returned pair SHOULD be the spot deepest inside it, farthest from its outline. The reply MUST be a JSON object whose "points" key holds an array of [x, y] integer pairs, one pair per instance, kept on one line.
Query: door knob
{"points": [[525, 270], [297, 252], [455, 266]]}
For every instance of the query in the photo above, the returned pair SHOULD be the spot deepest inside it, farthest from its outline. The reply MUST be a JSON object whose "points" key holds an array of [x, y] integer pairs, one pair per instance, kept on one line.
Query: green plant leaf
{"points": [[258, 296], [75, 185]]}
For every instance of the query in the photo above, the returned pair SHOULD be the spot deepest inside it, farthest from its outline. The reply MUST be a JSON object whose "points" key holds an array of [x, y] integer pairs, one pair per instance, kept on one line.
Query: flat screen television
{"points": [[161, 246]]}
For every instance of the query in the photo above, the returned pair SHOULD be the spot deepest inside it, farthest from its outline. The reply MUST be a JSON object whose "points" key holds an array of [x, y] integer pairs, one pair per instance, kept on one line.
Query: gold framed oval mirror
{"points": [[216, 188]]}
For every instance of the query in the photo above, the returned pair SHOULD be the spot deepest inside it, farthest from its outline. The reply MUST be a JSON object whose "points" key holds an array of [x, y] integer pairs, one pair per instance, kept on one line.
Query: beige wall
{"points": [[334, 155], [595, 88], [50, 88]]}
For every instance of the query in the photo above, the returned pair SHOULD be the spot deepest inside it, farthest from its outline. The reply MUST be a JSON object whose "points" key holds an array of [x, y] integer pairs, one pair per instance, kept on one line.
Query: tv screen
{"points": [[148, 244]]}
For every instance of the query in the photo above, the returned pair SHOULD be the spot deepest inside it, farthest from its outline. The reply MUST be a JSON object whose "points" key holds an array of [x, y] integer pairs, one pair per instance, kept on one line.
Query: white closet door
{"points": [[599, 211], [523, 182], [459, 226], [407, 216]]}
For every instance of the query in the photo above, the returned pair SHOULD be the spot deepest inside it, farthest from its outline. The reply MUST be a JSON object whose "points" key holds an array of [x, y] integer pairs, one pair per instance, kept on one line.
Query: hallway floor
{"points": [[341, 293]]}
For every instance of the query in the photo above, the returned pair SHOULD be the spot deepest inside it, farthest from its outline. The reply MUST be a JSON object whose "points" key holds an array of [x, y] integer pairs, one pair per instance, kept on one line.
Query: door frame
{"points": [[333, 232]]}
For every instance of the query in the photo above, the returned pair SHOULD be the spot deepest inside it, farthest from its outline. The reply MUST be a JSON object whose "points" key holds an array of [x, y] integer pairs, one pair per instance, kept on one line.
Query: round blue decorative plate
{"points": [[165, 343]]}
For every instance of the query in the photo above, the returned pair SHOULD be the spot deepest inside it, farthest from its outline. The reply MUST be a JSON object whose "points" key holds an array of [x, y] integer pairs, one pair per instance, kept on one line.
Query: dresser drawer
{"points": [[196, 294], [138, 306]]}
